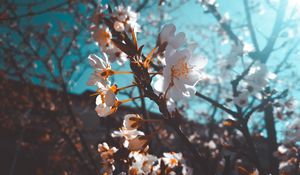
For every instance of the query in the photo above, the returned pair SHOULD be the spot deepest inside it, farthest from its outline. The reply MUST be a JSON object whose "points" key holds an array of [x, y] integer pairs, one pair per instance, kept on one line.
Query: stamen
{"points": [[181, 69]]}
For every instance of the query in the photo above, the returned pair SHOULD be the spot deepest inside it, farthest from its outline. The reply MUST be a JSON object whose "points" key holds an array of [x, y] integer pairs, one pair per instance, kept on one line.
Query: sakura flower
{"points": [[96, 80], [226, 18], [181, 71], [142, 164], [106, 152], [107, 102], [258, 77], [132, 121], [119, 26], [134, 140], [128, 18], [230, 59], [102, 36], [282, 149], [211, 145], [107, 156], [115, 54], [172, 159], [288, 167], [291, 104], [167, 35], [171, 105], [242, 99], [167, 32], [137, 144], [293, 130], [102, 70], [180, 75], [127, 134]]}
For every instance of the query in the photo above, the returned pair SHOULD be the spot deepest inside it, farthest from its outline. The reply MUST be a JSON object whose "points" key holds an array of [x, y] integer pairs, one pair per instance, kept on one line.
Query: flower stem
{"points": [[155, 73], [122, 72], [130, 99], [125, 87]]}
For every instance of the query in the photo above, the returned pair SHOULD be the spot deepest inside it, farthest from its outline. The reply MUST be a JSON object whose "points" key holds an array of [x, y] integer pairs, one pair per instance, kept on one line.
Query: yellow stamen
{"points": [[181, 69]]}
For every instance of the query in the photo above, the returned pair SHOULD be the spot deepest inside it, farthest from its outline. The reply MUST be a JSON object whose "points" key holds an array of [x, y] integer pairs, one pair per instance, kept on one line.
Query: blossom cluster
{"points": [[124, 20], [138, 159], [180, 72], [257, 78], [168, 74]]}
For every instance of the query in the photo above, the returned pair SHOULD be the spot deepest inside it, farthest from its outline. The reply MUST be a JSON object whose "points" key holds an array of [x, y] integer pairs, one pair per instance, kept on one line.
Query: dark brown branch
{"points": [[216, 104], [29, 14], [225, 26]]}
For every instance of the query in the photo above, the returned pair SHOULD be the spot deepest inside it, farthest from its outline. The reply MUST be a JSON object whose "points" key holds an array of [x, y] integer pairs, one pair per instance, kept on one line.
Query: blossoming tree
{"points": [[230, 92]]}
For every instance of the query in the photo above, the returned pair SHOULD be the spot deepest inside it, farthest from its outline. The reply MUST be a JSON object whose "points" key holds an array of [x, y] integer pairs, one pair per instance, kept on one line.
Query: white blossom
{"points": [[138, 143], [128, 18], [142, 164], [107, 156], [127, 134], [172, 159], [258, 77], [132, 121], [115, 54], [107, 102], [242, 99], [180, 75], [102, 36], [101, 71]]}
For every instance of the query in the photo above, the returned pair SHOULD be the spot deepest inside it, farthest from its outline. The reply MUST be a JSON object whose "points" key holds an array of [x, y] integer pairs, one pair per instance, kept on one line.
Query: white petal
{"points": [[158, 84], [96, 62], [99, 100], [167, 32], [103, 110], [192, 79], [177, 40], [198, 61], [110, 98]]}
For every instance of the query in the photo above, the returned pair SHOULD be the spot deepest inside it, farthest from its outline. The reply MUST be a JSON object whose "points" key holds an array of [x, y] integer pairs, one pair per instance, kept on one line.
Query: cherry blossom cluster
{"points": [[257, 78], [124, 20], [287, 155], [178, 73], [136, 155], [182, 70]]}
